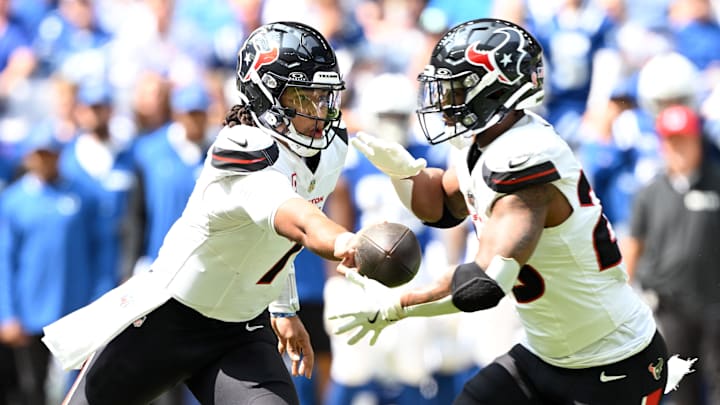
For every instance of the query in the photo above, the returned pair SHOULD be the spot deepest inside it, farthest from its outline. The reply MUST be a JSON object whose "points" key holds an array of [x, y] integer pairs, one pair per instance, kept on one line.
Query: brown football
{"points": [[389, 253]]}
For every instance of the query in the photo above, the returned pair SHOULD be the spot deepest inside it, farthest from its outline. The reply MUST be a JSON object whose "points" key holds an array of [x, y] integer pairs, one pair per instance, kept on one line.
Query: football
{"points": [[389, 253]]}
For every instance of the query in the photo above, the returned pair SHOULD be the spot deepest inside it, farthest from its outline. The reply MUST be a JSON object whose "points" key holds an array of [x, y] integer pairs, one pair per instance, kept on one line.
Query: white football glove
{"points": [[383, 309], [388, 156]]}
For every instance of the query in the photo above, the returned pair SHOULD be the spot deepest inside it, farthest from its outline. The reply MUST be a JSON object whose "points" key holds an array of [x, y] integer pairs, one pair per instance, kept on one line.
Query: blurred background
{"points": [[107, 108]]}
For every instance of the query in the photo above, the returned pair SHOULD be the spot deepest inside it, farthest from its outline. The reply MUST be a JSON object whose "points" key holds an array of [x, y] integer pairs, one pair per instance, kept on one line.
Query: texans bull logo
{"points": [[265, 54], [509, 51]]}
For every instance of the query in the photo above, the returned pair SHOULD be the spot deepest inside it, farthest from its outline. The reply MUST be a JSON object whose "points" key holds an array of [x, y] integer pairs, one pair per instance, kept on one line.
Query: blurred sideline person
{"points": [[101, 161], [47, 260], [204, 315], [399, 373], [672, 250], [542, 236], [169, 161]]}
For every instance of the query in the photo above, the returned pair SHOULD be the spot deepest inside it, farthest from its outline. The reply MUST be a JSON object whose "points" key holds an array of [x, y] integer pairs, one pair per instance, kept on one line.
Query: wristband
{"points": [[283, 314]]}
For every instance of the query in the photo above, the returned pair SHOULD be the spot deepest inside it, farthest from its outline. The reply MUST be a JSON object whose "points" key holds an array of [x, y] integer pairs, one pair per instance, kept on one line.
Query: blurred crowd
{"points": [[107, 108]]}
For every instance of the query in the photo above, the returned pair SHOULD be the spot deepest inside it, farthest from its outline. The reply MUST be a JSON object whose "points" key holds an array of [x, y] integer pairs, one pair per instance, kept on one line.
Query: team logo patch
{"points": [[510, 51], [266, 52], [656, 369]]}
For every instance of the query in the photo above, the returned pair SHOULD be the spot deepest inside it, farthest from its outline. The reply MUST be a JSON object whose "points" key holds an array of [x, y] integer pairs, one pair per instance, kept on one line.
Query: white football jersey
{"points": [[572, 296], [223, 256]]}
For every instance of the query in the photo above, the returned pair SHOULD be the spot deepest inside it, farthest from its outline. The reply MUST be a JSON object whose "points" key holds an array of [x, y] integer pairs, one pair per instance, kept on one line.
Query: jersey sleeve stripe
{"points": [[244, 161], [508, 182]]}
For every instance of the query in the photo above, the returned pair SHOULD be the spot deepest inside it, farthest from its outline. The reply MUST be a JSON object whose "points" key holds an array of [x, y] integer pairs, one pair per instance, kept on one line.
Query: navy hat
{"points": [[188, 98], [95, 93]]}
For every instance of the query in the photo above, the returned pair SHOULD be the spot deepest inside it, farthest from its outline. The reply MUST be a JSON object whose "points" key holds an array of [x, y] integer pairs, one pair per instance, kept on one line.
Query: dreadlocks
{"points": [[238, 114]]}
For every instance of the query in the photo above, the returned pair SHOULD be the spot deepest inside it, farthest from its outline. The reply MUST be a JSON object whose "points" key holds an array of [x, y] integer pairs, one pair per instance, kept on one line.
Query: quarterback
{"points": [[542, 235], [218, 306]]}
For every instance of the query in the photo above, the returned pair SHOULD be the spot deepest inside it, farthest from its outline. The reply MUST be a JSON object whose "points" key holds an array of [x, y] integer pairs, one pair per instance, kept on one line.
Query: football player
{"points": [[200, 316], [542, 235]]}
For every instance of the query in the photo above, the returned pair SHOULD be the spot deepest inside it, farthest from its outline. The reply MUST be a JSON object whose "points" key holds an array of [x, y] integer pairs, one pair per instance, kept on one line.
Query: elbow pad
{"points": [[473, 290]]}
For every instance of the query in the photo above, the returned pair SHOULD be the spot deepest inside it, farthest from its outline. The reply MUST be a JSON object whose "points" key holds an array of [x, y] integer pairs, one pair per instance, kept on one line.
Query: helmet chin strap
{"points": [[301, 150], [296, 148], [467, 136]]}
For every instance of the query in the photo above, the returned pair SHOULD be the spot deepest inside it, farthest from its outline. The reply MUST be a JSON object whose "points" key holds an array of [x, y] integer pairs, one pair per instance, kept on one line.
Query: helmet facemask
{"points": [[318, 107]]}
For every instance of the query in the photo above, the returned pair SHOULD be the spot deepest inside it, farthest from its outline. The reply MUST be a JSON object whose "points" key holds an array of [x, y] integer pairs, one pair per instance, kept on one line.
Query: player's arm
{"points": [[432, 194], [632, 249], [507, 241], [304, 223]]}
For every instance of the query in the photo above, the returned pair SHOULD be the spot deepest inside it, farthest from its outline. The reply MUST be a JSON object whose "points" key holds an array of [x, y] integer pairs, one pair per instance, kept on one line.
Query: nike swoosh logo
{"points": [[374, 318], [607, 378], [242, 144], [253, 328], [518, 161]]}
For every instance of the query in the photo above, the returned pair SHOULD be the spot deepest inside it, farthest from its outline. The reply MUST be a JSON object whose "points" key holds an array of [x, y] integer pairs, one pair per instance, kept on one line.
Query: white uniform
{"points": [[223, 256], [572, 295]]}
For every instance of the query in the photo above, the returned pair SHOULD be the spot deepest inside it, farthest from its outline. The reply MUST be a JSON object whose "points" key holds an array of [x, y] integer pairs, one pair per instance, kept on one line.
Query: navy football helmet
{"points": [[478, 72], [288, 69]]}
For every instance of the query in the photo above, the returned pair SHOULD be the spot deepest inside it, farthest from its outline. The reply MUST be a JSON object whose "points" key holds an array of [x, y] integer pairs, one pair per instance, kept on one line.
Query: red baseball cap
{"points": [[678, 120]]}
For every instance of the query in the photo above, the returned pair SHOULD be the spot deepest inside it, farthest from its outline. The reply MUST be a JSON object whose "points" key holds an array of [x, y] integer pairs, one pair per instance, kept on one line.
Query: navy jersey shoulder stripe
{"points": [[244, 161], [508, 182]]}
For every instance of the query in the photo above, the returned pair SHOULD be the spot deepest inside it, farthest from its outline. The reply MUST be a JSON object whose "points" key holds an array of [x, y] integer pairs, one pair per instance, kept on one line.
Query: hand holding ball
{"points": [[389, 253]]}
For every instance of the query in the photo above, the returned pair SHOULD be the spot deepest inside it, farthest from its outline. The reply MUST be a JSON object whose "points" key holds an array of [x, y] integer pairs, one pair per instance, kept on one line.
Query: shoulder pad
{"points": [[523, 156], [243, 149]]}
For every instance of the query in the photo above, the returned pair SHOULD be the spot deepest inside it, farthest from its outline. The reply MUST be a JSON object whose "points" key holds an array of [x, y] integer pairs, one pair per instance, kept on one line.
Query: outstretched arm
{"points": [[304, 223], [507, 241], [431, 194]]}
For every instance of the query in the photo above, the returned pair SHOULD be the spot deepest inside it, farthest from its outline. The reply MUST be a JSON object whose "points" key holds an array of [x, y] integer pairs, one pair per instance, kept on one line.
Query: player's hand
{"points": [[345, 244], [367, 321], [383, 309], [294, 338], [388, 156]]}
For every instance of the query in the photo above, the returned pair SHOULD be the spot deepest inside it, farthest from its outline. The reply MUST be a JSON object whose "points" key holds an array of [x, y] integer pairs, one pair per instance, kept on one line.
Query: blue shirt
{"points": [[698, 41], [47, 247], [12, 39], [568, 51], [111, 193], [167, 182], [310, 276], [58, 39]]}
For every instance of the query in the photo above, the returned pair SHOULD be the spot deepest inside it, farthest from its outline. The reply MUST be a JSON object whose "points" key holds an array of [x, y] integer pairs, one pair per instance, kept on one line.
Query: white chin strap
{"points": [[296, 148], [466, 139], [301, 150]]}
